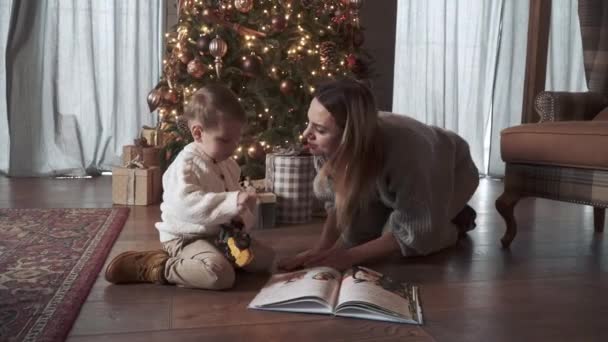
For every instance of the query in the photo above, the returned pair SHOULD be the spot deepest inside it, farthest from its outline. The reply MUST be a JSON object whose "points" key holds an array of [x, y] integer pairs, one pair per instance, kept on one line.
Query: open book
{"points": [[359, 292]]}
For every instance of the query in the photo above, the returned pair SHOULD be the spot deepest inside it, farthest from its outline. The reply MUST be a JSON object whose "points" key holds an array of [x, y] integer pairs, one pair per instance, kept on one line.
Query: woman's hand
{"points": [[336, 257], [297, 261]]}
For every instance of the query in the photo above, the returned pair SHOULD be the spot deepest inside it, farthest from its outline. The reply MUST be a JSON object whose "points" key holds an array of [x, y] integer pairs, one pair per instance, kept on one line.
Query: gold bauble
{"points": [[243, 6]]}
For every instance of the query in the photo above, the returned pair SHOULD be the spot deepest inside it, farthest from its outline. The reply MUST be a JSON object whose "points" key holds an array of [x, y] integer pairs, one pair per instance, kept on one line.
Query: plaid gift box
{"points": [[266, 210], [290, 178]]}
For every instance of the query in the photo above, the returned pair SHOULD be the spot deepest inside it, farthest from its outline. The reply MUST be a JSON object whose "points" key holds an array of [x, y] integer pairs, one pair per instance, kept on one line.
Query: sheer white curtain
{"points": [[445, 66], [77, 75], [5, 11], [461, 65], [565, 64]]}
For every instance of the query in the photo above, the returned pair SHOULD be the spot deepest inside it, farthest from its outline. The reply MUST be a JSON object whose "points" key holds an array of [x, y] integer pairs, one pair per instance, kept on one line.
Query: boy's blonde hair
{"points": [[213, 103]]}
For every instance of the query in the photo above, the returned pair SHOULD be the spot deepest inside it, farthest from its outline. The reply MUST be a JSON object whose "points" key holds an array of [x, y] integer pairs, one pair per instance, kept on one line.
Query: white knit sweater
{"points": [[199, 195]]}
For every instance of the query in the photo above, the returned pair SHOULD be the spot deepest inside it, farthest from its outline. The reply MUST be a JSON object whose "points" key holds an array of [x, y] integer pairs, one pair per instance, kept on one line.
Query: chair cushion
{"points": [[581, 144], [602, 116]]}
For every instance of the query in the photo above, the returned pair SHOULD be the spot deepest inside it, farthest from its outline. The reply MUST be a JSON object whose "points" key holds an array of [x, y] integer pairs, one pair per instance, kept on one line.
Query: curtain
{"points": [[508, 93], [77, 75], [461, 65], [565, 67], [594, 26], [5, 11], [448, 58]]}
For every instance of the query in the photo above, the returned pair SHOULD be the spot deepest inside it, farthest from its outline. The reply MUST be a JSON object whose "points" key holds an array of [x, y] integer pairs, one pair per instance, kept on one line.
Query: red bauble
{"points": [[279, 23], [196, 68], [287, 87], [252, 65], [256, 151], [351, 61], [202, 44], [169, 95]]}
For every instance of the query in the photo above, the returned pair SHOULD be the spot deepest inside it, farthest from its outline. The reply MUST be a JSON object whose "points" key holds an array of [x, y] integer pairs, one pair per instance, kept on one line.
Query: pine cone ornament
{"points": [[182, 125], [327, 53]]}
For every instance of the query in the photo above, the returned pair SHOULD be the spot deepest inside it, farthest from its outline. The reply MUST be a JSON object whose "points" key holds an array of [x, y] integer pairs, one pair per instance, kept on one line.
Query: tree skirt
{"points": [[49, 260]]}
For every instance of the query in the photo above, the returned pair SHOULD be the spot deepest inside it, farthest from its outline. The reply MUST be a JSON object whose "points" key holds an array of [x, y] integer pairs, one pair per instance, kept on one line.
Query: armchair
{"points": [[564, 157]]}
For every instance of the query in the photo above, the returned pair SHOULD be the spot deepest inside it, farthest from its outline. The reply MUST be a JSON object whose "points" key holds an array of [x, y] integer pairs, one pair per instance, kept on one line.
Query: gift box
{"points": [[289, 176], [149, 133], [266, 210], [136, 186], [150, 155]]}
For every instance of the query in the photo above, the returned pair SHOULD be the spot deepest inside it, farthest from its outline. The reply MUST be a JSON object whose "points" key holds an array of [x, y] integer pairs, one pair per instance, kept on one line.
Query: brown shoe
{"points": [[138, 267]]}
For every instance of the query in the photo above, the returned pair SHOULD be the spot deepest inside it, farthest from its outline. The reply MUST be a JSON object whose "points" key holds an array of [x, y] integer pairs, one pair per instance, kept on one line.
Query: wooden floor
{"points": [[552, 285]]}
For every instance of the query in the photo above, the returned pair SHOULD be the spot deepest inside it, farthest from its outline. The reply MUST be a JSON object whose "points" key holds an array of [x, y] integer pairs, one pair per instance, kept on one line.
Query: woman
{"points": [[390, 183]]}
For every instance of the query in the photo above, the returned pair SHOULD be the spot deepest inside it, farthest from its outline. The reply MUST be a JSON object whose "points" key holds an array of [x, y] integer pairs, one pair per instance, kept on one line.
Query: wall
{"points": [[379, 19]]}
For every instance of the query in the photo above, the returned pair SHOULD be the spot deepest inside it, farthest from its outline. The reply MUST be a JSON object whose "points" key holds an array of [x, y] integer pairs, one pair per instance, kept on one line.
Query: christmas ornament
{"points": [[185, 5], [169, 95], [339, 17], [185, 56], [252, 65], [196, 68], [182, 125], [256, 151], [202, 44], [243, 6], [351, 61], [218, 48], [327, 53], [287, 87], [154, 99], [278, 23], [355, 6]]}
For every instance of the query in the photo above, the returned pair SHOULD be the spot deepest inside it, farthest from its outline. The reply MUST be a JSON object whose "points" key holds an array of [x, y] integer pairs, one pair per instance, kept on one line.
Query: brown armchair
{"points": [[563, 157]]}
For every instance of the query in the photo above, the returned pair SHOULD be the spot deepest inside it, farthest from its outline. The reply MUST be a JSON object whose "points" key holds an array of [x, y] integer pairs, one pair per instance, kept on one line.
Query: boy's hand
{"points": [[246, 200]]}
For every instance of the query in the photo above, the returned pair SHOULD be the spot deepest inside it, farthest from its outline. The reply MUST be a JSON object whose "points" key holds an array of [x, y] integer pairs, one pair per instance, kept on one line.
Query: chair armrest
{"points": [[568, 106]]}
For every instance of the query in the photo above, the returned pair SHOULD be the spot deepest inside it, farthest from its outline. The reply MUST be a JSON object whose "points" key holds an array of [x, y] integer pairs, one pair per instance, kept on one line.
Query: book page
{"points": [[315, 285], [369, 291]]}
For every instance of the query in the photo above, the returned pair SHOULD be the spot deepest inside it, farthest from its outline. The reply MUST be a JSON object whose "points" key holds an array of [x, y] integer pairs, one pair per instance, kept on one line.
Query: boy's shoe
{"points": [[138, 267], [465, 220]]}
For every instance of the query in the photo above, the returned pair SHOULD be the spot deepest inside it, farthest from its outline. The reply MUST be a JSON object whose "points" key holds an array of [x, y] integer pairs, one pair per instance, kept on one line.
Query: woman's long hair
{"points": [[357, 162]]}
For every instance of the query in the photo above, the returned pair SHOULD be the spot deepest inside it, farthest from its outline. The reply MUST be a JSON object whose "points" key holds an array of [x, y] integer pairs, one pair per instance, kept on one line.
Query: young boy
{"points": [[201, 193]]}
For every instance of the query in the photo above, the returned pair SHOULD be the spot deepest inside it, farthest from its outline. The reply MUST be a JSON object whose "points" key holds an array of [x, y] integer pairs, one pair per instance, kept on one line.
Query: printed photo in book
{"points": [[359, 292]]}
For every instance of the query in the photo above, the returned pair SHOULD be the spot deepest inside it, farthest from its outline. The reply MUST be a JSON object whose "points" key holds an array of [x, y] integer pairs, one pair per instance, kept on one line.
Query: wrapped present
{"points": [[266, 210], [150, 155], [136, 186], [289, 175], [149, 133]]}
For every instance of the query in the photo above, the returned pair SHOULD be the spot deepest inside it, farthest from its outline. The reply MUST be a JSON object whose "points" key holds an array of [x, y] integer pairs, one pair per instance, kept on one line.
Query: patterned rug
{"points": [[49, 260]]}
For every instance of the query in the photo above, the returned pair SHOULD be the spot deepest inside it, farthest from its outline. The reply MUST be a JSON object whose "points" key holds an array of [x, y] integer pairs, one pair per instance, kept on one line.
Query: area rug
{"points": [[49, 260]]}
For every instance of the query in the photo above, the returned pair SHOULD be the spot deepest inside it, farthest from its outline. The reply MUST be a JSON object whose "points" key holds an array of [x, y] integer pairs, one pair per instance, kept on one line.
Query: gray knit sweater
{"points": [[427, 178]]}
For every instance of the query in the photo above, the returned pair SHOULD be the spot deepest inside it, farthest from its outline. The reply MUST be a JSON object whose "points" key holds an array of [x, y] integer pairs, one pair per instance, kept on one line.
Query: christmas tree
{"points": [[270, 53]]}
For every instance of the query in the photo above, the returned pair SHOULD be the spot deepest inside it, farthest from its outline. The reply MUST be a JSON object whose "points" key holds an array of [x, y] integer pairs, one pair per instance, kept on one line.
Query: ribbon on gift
{"points": [[135, 163]]}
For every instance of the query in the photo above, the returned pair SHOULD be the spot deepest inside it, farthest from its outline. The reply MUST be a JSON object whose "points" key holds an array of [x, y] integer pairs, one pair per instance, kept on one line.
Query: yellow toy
{"points": [[235, 243]]}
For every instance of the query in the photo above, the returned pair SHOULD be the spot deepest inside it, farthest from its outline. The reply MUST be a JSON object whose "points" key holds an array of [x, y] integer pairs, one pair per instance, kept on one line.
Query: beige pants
{"points": [[199, 264]]}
